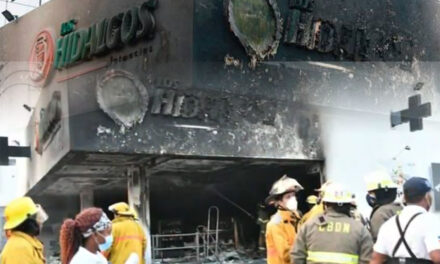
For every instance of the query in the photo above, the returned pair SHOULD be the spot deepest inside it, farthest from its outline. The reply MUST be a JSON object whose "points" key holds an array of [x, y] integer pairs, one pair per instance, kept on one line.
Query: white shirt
{"points": [[423, 234], [84, 256]]}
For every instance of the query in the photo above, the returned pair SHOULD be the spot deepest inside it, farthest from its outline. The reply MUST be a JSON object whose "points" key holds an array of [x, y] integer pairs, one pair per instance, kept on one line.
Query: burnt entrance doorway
{"points": [[173, 196], [207, 210]]}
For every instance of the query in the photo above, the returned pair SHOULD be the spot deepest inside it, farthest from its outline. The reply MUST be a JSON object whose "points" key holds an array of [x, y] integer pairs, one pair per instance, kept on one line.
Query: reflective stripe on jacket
{"points": [[22, 248], [332, 257]]}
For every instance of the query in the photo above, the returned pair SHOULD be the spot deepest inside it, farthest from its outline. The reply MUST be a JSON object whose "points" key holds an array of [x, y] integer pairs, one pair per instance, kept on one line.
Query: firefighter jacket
{"points": [[128, 237], [22, 248], [380, 215], [280, 236], [333, 238], [316, 210]]}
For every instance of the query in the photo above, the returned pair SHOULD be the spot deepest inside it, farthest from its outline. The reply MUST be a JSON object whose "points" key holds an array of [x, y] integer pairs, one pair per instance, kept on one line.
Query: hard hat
{"points": [[18, 211], [312, 199], [282, 186], [379, 180], [337, 193], [122, 209], [324, 186]]}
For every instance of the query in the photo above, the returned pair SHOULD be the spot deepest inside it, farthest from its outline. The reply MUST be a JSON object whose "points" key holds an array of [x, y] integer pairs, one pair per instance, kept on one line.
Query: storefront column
{"points": [[145, 203], [86, 198], [139, 198]]}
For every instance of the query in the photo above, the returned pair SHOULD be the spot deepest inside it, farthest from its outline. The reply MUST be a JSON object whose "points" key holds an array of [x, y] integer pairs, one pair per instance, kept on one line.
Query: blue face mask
{"points": [[371, 200], [107, 244]]}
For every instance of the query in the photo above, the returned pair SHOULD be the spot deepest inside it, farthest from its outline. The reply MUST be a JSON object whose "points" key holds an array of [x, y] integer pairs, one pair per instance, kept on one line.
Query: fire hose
{"points": [[219, 194]]}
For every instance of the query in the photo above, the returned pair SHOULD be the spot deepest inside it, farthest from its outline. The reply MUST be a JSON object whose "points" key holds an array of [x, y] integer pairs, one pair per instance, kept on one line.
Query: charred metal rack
{"points": [[206, 239]]}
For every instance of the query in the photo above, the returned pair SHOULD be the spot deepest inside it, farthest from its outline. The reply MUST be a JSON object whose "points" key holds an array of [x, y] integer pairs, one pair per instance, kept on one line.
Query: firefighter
{"points": [[281, 229], [311, 200], [263, 219], [318, 208], [333, 237], [382, 193], [130, 240], [24, 220]]}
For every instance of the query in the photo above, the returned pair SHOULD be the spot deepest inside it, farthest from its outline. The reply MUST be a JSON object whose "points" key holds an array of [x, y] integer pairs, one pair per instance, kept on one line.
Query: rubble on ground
{"points": [[53, 260]]}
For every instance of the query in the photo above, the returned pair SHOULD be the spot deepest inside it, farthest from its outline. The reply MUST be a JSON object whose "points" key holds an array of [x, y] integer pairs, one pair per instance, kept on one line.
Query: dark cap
{"points": [[416, 186]]}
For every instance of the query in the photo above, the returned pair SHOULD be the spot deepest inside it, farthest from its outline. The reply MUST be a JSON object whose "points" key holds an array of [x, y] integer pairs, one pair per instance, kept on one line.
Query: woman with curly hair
{"points": [[84, 238]]}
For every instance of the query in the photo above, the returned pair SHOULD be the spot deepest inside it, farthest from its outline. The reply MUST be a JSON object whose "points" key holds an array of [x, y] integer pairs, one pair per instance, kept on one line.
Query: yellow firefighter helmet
{"points": [[122, 209], [312, 199], [18, 211]]}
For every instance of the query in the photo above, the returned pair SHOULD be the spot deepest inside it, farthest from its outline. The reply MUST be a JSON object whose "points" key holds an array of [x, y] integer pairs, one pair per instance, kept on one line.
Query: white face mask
{"points": [[292, 204]]}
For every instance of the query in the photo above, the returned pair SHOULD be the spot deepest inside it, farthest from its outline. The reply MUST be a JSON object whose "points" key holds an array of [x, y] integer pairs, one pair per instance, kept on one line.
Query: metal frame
{"points": [[155, 244], [209, 238]]}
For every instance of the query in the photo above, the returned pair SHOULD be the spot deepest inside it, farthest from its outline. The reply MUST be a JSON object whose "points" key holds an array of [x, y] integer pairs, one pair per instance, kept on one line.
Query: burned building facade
{"points": [[181, 105]]}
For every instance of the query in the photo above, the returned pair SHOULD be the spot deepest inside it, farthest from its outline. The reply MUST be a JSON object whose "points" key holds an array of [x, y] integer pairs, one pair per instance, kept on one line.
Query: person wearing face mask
{"points": [[412, 237], [382, 193], [281, 229], [129, 236], [84, 238], [24, 220], [335, 236]]}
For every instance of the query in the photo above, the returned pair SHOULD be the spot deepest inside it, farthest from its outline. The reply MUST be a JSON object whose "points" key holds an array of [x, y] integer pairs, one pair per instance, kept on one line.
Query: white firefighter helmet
{"points": [[379, 179], [324, 186], [338, 193], [283, 186]]}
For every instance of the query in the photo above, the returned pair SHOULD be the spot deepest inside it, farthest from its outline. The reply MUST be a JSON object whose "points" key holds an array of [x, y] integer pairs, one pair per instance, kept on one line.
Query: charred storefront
{"points": [[131, 109], [191, 109]]}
